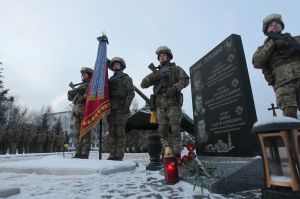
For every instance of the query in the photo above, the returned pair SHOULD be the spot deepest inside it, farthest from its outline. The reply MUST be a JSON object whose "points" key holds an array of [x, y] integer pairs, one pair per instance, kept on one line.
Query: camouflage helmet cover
{"points": [[271, 18], [164, 49], [86, 70], [117, 59]]}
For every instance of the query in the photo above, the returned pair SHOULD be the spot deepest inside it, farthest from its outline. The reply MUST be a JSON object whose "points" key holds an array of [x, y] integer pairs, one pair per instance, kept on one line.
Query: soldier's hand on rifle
{"points": [[280, 43], [171, 91], [71, 94], [155, 76]]}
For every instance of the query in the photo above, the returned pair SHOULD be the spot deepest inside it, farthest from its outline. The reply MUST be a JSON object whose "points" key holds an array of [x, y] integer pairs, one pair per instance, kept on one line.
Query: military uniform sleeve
{"points": [[146, 82], [262, 54], [297, 38], [86, 89], [130, 91], [183, 81]]}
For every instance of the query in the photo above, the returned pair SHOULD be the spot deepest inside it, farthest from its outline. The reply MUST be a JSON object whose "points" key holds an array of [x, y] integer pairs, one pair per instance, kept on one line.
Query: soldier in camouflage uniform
{"points": [[13, 139], [41, 138], [279, 59], [60, 142], [21, 143], [66, 140], [28, 134], [4, 145], [167, 82], [121, 93], [78, 97], [2, 132]]}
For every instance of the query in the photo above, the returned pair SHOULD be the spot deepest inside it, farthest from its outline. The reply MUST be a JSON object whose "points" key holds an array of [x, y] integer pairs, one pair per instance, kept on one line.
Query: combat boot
{"points": [[78, 156], [84, 156]]}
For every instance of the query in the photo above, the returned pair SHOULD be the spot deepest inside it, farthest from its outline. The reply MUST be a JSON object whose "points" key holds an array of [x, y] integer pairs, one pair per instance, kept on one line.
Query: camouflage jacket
{"points": [[277, 69], [78, 95], [123, 102], [174, 76], [2, 131]]}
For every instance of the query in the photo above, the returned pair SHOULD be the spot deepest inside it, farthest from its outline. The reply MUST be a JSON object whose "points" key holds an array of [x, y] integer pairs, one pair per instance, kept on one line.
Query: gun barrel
{"points": [[141, 94]]}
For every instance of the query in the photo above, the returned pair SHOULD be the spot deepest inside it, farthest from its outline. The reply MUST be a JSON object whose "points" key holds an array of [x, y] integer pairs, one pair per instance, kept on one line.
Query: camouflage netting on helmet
{"points": [[86, 70], [117, 59], [271, 18], [164, 49]]}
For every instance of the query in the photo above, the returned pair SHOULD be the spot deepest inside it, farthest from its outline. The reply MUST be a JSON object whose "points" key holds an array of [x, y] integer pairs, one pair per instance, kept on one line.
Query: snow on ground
{"points": [[136, 183]]}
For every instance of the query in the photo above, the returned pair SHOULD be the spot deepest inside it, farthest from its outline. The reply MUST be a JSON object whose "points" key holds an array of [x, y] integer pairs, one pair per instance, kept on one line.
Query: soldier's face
{"points": [[84, 76], [274, 27], [163, 57], [117, 66]]}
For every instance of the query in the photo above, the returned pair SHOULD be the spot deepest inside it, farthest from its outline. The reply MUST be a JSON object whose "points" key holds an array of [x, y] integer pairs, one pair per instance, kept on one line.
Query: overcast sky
{"points": [[43, 44]]}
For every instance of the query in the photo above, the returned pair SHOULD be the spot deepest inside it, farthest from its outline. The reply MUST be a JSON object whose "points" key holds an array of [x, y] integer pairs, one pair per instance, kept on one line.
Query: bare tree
{"points": [[18, 116]]}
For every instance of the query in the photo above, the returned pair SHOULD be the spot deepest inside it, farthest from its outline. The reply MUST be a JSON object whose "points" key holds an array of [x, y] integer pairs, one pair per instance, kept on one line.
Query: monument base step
{"points": [[235, 174], [6, 191]]}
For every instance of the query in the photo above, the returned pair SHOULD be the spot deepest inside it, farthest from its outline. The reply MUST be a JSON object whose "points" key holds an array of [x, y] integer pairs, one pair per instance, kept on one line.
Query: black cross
{"points": [[273, 109]]}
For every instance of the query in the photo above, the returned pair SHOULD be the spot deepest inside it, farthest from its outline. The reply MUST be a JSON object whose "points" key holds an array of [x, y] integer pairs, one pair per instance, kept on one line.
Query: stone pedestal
{"points": [[154, 150], [235, 174]]}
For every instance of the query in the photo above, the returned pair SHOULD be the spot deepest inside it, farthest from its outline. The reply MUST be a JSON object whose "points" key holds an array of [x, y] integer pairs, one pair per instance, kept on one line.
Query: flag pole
{"points": [[100, 139]]}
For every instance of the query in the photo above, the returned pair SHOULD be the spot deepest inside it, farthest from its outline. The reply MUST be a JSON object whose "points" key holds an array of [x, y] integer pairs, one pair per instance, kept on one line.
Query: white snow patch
{"points": [[280, 178], [57, 165], [279, 119]]}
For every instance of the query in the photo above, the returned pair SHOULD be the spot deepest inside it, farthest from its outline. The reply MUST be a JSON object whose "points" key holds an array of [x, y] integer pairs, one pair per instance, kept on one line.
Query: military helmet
{"points": [[164, 49], [117, 59], [271, 18], [86, 70]]}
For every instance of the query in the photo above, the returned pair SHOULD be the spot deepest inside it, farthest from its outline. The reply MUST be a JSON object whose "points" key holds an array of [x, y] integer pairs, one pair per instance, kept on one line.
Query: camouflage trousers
{"points": [[288, 95], [83, 146], [168, 120], [117, 137], [12, 147], [21, 147]]}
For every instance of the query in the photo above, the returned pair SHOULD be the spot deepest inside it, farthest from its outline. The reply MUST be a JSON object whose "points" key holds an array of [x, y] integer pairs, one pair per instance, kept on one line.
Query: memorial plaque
{"points": [[223, 105]]}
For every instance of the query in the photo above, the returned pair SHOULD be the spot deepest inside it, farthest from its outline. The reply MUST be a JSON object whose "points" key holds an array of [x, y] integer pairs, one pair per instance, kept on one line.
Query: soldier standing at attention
{"points": [[167, 82], [121, 93], [78, 97], [279, 59]]}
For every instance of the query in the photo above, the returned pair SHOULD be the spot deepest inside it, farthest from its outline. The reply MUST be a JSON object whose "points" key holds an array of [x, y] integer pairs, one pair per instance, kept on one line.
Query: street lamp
{"points": [[279, 140]]}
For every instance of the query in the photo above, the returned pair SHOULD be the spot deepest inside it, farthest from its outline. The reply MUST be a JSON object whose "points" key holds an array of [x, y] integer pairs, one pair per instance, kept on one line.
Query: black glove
{"points": [[155, 76], [171, 91], [280, 43]]}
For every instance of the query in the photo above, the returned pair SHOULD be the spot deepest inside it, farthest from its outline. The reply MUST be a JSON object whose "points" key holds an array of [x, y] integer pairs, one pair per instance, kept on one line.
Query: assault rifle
{"points": [[290, 41], [74, 85], [78, 91], [162, 83]]}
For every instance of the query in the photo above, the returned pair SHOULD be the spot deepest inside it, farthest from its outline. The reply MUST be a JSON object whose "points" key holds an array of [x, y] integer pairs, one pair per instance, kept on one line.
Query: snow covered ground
{"points": [[85, 179]]}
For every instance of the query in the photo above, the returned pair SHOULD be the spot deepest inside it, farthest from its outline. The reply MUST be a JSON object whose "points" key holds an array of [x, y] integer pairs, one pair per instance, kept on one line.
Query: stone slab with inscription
{"points": [[223, 106]]}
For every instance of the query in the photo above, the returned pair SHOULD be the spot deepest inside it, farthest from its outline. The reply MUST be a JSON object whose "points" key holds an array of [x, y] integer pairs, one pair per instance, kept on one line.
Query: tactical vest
{"points": [[280, 54], [80, 91], [170, 77], [116, 86]]}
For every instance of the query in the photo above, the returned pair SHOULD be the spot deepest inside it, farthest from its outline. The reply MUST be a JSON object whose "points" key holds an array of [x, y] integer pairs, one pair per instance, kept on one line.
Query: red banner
{"points": [[97, 103]]}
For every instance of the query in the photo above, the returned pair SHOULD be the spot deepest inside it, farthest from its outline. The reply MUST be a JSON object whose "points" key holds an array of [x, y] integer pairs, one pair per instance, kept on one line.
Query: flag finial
{"points": [[103, 37]]}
